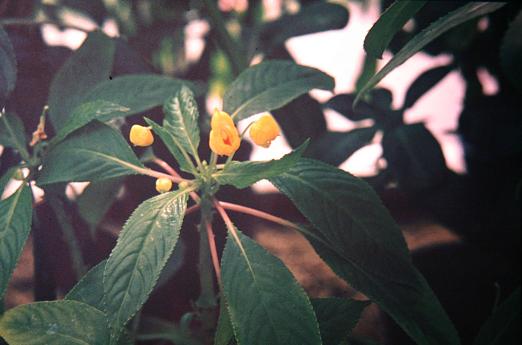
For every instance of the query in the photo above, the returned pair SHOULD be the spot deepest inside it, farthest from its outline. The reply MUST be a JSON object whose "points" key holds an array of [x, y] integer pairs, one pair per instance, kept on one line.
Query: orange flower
{"points": [[163, 185], [264, 130], [224, 138], [141, 136]]}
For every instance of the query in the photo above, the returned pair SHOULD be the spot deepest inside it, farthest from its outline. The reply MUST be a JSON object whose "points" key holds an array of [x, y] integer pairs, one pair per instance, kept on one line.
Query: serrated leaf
{"points": [[7, 67], [270, 85], [424, 83], [89, 289], [224, 330], [181, 119], [503, 327], [316, 17], [15, 225], [57, 322], [335, 147], [511, 52], [138, 92], [172, 144], [87, 112], [265, 303], [356, 236], [4, 180], [12, 132], [389, 23], [434, 30], [337, 317], [89, 65], [92, 153], [143, 248], [244, 174]]}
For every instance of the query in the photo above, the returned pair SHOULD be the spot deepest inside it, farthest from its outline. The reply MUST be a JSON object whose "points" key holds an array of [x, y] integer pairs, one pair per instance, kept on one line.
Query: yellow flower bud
{"points": [[163, 185], [224, 137], [141, 136], [264, 130]]}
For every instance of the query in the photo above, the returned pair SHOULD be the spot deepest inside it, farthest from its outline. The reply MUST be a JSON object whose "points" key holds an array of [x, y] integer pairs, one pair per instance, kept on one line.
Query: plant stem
{"points": [[192, 209], [174, 174], [226, 42], [259, 214], [213, 253], [157, 174]]}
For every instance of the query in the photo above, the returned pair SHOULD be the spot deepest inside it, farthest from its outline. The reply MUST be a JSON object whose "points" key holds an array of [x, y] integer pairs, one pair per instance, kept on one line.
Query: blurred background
{"points": [[440, 139]]}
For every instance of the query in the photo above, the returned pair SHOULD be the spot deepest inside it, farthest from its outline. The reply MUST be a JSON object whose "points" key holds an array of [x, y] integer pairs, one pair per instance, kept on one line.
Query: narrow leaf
{"points": [[181, 119], [434, 30], [389, 23], [143, 248], [244, 174], [337, 317], [266, 305], [12, 132], [57, 322], [270, 85], [503, 327], [173, 145], [424, 83], [89, 65], [92, 153], [15, 225], [358, 239], [7, 67], [89, 289]]}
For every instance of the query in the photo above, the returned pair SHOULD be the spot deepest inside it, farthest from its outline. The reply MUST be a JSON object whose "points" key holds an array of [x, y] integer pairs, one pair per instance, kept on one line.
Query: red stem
{"points": [[213, 252]]}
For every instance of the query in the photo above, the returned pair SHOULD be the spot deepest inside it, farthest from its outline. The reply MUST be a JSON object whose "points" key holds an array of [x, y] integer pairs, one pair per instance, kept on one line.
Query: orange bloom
{"points": [[141, 136], [224, 138], [264, 130]]}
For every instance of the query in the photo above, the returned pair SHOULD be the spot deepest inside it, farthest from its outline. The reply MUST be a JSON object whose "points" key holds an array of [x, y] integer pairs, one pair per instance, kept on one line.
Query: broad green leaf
{"points": [[5, 178], [511, 52], [173, 145], [389, 23], [87, 112], [138, 92], [12, 132], [335, 147], [270, 85], [224, 330], [424, 83], [244, 174], [92, 153], [337, 317], [158, 329], [15, 225], [356, 236], [96, 200], [181, 119], [265, 303], [89, 65], [316, 17], [144, 246], [434, 30], [7, 67], [89, 289], [503, 327], [57, 322]]}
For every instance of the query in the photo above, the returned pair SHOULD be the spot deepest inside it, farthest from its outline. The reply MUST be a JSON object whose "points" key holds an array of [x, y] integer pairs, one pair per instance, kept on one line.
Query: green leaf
{"points": [[503, 327], [138, 92], [389, 23], [4, 180], [337, 317], [511, 52], [424, 83], [181, 119], [356, 236], [87, 112], [12, 132], [173, 145], [244, 174], [270, 85], [15, 225], [57, 322], [266, 304], [89, 289], [97, 199], [158, 329], [335, 147], [316, 17], [224, 330], [89, 65], [7, 67], [143, 248], [434, 30], [92, 153], [368, 69]]}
